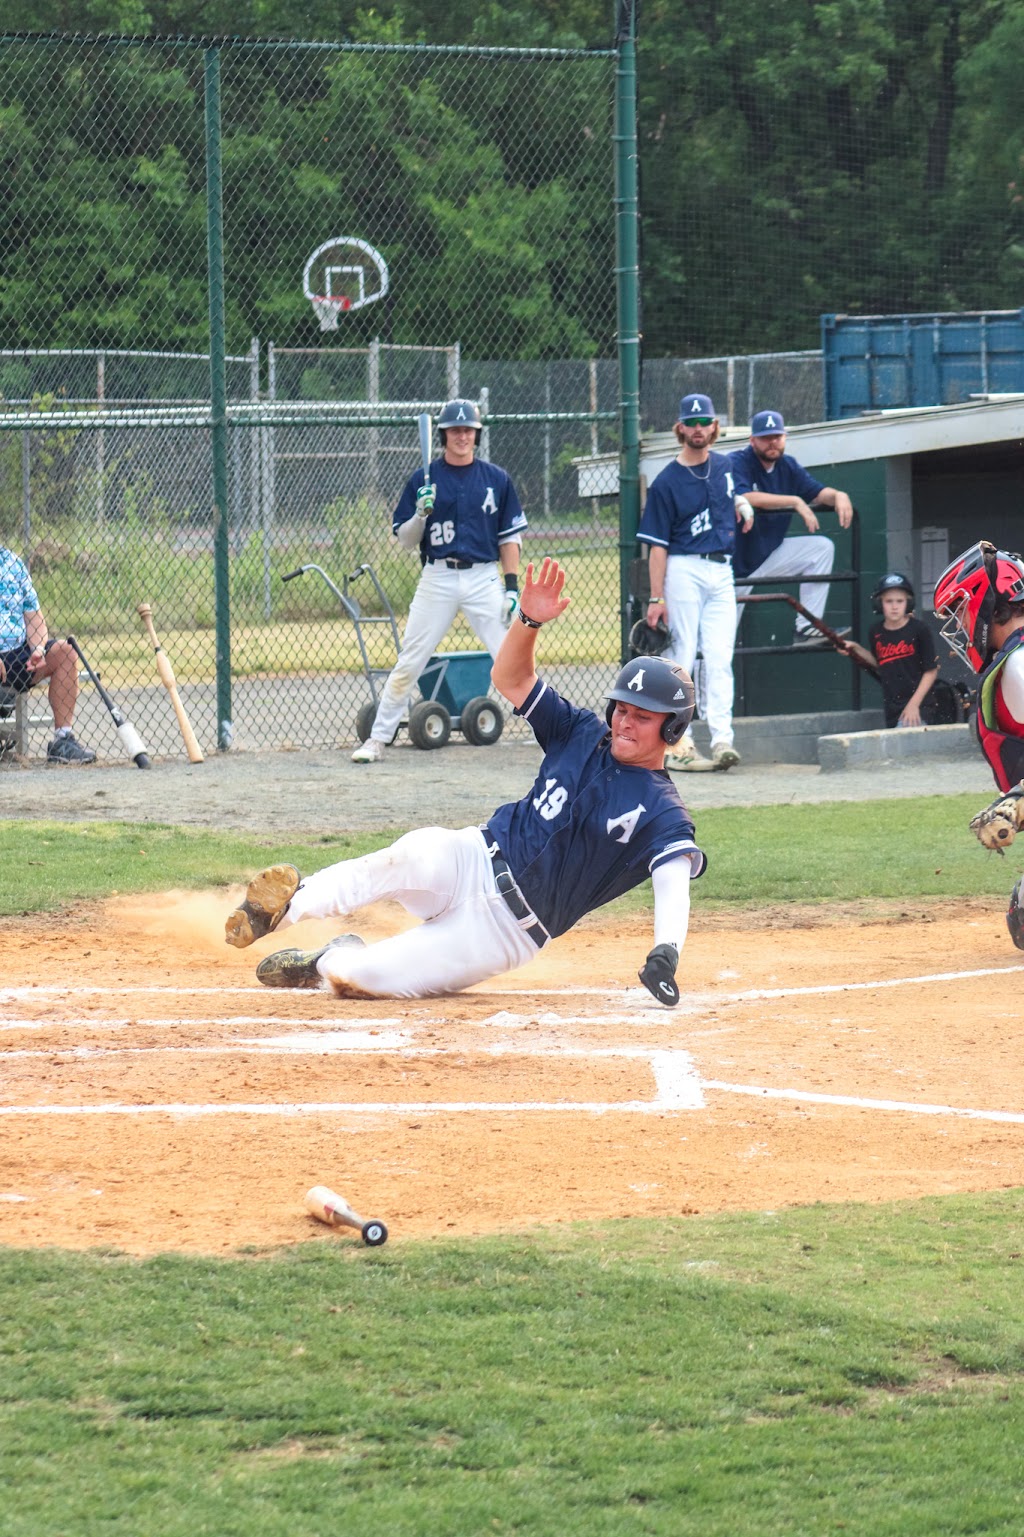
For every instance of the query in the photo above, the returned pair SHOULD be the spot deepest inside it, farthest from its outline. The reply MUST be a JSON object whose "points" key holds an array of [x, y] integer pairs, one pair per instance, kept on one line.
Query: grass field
{"points": [[854, 1370]]}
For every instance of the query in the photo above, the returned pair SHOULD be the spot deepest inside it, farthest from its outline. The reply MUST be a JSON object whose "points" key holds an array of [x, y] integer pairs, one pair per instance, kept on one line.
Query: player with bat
{"points": [[464, 518], [601, 818]]}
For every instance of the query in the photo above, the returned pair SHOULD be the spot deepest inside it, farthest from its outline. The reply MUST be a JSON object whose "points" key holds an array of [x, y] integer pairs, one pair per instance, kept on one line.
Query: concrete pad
{"points": [[861, 749]]}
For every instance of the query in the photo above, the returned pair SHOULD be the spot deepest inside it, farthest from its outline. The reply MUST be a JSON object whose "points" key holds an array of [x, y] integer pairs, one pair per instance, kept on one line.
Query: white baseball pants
{"points": [[701, 602], [803, 555], [444, 877], [440, 595]]}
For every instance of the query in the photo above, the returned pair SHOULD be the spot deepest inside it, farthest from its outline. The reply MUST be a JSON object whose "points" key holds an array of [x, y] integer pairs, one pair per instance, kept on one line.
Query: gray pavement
{"points": [[279, 794]]}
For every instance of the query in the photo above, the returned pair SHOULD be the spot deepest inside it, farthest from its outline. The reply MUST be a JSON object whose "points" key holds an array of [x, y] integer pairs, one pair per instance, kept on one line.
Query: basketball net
{"points": [[328, 310]]}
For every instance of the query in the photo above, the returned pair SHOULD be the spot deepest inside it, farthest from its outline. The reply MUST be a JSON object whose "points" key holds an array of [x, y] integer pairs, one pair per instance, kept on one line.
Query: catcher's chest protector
{"points": [[1005, 753]]}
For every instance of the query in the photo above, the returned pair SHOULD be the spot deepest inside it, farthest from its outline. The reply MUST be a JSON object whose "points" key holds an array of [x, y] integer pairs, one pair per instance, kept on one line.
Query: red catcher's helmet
{"points": [[966, 596]]}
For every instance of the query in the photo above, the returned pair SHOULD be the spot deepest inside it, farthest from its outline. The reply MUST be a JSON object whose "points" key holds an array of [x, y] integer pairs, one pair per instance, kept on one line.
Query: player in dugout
{"points": [[603, 816]]}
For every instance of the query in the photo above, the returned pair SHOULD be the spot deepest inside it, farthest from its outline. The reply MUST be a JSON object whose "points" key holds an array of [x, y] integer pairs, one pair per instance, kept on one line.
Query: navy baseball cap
{"points": [[766, 423], [695, 405]]}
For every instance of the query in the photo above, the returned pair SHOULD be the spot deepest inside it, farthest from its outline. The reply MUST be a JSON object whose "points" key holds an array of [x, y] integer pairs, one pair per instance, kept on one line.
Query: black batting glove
{"points": [[659, 974]]}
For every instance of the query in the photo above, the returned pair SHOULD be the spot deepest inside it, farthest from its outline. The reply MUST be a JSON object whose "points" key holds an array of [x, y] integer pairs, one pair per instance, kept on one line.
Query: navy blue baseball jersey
{"points": [[787, 478], [591, 828], [691, 510], [476, 508]]}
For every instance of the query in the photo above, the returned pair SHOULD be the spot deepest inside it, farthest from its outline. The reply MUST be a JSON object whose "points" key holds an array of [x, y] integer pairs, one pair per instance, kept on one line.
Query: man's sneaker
{"points": [[1015, 917], [64, 749], [813, 640], [369, 752], [687, 760], [266, 897], [724, 757], [297, 968]]}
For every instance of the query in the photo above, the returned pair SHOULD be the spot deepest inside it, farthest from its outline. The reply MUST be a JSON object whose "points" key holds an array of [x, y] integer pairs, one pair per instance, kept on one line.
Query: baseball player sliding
{"points": [[603, 816], [980, 598], [463, 519]]}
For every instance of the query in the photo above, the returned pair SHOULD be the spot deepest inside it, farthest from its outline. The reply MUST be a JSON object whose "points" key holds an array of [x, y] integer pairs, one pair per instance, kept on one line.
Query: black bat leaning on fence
{"points": [[132, 743]]}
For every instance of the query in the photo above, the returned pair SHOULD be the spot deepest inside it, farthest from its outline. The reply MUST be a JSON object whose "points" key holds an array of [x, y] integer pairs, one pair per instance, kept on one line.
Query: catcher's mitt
{"points": [[997, 826], [647, 639]]}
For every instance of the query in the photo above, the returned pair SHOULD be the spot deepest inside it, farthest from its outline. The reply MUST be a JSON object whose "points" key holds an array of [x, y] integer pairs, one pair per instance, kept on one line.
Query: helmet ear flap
{"points": [[674, 727]]}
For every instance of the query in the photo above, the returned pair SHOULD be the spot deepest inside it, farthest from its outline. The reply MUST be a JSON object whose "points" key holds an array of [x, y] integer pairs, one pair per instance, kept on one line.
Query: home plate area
{"points": [[159, 1099]]}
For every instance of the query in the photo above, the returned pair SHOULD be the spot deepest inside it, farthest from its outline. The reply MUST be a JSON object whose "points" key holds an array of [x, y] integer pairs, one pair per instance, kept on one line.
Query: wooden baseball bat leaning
{"points": [[132, 743], [333, 1209], [857, 653], [166, 672], [425, 427]]}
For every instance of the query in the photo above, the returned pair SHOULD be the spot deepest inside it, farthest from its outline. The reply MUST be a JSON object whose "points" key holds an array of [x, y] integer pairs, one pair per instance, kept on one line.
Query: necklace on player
{"points": [[693, 472]]}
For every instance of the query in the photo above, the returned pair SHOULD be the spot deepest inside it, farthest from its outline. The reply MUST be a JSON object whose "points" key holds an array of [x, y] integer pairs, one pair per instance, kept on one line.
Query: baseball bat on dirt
{"points": [[333, 1209], [857, 653], [166, 672], [132, 743], [425, 427]]}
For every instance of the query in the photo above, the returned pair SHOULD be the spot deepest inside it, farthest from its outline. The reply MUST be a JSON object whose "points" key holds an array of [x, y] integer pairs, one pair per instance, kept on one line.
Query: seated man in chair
{"points": [[27, 656]]}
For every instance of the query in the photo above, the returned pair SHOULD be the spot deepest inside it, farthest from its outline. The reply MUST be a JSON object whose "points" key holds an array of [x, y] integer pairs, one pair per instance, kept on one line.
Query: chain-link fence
{"points": [[393, 224]]}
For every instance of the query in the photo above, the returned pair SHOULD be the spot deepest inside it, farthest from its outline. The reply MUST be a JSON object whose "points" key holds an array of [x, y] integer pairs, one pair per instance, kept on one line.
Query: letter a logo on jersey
{"points": [[489, 503]]}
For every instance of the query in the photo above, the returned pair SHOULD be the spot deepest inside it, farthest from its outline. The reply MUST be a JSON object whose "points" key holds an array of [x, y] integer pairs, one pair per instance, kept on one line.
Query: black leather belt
{"points": [[454, 565], [513, 898], [719, 557]]}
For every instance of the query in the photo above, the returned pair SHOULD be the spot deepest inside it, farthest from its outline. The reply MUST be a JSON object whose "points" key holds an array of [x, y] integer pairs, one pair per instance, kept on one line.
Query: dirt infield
{"points": [[155, 1098]]}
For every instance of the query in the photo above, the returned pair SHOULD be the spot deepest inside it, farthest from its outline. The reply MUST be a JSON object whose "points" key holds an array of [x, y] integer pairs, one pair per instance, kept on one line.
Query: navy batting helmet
{"points": [[459, 413], [893, 581], [664, 688]]}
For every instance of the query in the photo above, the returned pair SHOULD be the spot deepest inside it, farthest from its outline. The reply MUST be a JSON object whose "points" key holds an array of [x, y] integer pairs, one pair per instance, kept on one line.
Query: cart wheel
{"points": [[481, 722], [364, 722], [430, 725], [365, 719]]}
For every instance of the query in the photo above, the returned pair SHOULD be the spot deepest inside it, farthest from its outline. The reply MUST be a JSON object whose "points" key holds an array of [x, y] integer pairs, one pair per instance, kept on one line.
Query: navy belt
{"points": [[513, 898], [454, 565]]}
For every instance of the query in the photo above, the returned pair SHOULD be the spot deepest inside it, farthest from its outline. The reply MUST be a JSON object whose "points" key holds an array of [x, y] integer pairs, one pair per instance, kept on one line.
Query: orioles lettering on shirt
{"points": [[893, 651]]}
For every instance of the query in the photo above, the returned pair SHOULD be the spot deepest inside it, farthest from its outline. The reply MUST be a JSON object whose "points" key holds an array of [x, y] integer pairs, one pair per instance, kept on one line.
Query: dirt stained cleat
{"points": [[266, 897], [297, 968], [724, 757]]}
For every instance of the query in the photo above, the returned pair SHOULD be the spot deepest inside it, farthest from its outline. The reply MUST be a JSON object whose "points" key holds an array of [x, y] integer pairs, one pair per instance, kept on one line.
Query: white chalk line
{"points": [[750, 995], [858, 1103]]}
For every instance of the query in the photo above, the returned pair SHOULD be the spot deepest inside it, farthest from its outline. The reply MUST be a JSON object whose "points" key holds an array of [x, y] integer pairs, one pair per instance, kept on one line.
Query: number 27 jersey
{"points": [[591, 828]]}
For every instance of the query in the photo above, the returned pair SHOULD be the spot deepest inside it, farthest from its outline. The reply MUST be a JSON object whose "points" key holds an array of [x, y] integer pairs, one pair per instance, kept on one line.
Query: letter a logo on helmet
{"points": [[663, 687]]}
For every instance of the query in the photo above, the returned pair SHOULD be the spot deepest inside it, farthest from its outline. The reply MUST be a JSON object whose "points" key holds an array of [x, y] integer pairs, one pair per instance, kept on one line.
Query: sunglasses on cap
{"points": [[697, 421]]}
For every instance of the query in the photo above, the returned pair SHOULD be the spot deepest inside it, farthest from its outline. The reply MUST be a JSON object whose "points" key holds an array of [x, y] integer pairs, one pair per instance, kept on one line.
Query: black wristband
{"points": [[511, 581], [531, 624]]}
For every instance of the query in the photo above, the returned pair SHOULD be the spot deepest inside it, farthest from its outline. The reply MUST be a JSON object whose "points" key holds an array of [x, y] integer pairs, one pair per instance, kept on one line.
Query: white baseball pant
{"points": [[701, 602], [802, 555], [446, 878], [440, 594]]}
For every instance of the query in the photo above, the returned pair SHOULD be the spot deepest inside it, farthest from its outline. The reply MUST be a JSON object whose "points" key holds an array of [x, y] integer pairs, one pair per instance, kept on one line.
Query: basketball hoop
{"points": [[341, 275], [327, 309]]}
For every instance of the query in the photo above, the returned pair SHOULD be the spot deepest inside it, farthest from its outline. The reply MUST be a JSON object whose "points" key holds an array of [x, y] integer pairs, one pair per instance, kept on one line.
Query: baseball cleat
{"points": [[1015, 917], [724, 757], [687, 760], [266, 897], [369, 752], [297, 968]]}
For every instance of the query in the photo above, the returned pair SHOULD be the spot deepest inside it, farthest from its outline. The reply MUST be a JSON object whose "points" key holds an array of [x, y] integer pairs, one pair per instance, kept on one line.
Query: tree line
{"points": [[856, 156]]}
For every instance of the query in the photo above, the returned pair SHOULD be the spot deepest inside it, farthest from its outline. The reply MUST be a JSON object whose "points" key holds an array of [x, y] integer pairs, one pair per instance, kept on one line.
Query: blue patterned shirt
{"points": [[17, 598]]}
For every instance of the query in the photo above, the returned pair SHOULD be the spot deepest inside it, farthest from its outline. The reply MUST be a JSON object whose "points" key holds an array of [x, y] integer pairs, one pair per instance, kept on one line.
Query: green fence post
{"points": [[218, 395], [627, 292]]}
